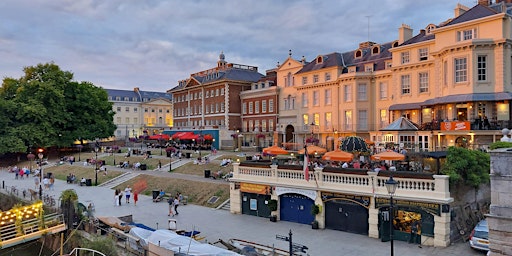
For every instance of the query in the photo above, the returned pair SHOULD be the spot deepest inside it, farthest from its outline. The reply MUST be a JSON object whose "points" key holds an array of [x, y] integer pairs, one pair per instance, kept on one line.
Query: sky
{"points": [[152, 44]]}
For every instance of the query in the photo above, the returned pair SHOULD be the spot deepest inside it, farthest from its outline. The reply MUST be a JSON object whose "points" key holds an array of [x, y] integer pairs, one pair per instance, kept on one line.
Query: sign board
{"points": [[455, 126], [426, 206], [309, 193], [361, 200], [254, 188]]}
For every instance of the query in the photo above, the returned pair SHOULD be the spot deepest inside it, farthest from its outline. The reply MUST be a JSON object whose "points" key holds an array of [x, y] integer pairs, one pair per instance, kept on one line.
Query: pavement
{"points": [[221, 224]]}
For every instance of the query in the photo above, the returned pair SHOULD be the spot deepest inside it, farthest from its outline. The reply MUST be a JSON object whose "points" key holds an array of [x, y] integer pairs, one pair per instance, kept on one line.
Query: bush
{"points": [[99, 243], [272, 205]]}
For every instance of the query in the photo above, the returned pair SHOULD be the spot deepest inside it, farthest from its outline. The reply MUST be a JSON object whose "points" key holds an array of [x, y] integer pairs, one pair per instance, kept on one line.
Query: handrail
{"points": [[76, 251]]}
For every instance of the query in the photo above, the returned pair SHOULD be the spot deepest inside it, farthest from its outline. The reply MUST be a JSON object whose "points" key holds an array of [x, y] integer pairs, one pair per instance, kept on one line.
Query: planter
{"points": [[314, 225], [273, 218]]}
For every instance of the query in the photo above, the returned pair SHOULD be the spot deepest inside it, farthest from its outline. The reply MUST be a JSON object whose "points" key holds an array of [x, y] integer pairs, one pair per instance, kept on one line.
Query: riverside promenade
{"points": [[221, 224]]}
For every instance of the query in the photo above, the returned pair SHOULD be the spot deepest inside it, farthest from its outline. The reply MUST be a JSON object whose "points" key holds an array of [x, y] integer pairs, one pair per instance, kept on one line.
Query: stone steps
{"points": [[119, 180]]}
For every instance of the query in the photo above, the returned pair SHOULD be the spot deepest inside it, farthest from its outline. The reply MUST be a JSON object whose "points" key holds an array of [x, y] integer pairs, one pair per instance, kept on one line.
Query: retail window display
{"points": [[404, 220]]}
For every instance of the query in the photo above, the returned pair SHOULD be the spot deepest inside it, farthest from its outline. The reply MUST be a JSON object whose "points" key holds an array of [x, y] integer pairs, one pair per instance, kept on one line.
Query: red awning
{"points": [[159, 137], [189, 136], [178, 135]]}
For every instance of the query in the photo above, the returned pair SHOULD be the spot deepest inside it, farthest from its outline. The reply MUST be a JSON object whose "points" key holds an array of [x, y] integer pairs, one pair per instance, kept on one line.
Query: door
{"points": [[296, 208], [384, 224], [254, 204], [346, 216]]}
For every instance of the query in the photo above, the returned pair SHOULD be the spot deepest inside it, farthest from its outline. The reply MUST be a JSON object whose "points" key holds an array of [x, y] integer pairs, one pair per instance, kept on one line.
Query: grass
{"points": [[61, 172]]}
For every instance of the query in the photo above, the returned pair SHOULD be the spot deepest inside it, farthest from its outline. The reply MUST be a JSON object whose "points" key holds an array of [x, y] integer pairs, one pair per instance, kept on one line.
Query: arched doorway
{"points": [[461, 141], [289, 133]]}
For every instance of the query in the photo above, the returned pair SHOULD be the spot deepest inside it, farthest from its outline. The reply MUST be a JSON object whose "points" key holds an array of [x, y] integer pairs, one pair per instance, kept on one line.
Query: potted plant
{"points": [[315, 209], [272, 206]]}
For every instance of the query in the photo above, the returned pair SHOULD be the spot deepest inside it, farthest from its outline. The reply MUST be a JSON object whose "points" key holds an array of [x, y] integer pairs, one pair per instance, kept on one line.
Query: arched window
{"points": [[358, 54], [375, 50]]}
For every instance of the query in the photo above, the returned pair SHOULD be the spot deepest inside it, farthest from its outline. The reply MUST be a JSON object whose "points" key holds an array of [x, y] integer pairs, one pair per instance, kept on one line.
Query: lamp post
{"points": [[96, 149], [40, 155], [80, 150], [391, 185], [160, 140], [30, 157]]}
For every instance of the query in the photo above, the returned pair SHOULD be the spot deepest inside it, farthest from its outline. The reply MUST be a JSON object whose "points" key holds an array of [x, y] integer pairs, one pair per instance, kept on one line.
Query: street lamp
{"points": [[391, 185], [79, 150], [31, 157], [96, 149], [40, 155]]}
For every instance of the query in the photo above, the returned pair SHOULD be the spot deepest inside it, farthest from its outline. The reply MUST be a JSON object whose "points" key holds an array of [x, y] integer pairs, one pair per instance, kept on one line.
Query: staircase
{"points": [[224, 206], [119, 180]]}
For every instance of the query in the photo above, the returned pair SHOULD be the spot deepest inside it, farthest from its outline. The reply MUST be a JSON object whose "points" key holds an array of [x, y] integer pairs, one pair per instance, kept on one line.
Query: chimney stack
{"points": [[486, 2], [461, 9], [404, 33]]}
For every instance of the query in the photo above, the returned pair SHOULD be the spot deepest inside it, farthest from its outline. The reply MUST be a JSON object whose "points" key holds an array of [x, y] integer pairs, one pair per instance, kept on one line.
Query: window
{"points": [[264, 106], [222, 107], [389, 64], [461, 70], [304, 100], [315, 79], [127, 120], [361, 92], [118, 120], [362, 120], [405, 82], [207, 94], [135, 110], [257, 107], [328, 97], [348, 120], [250, 107], [328, 120], [305, 119], [327, 76], [288, 80], [216, 107], [445, 73], [152, 110], [423, 81], [368, 68], [159, 110], [126, 99], [271, 125], [118, 98], [316, 119], [423, 53], [315, 99], [216, 92], [383, 90], [466, 34], [264, 126], [221, 91], [383, 118], [271, 105], [404, 56], [482, 67], [304, 80], [118, 109], [347, 91]]}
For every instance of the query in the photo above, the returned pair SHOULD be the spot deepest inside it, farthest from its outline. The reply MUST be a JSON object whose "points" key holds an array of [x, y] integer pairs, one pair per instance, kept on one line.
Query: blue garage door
{"points": [[296, 208]]}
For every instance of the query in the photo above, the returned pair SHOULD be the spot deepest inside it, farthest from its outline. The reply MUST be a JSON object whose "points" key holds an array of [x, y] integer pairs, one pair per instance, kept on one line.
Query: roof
{"points": [[468, 98], [401, 124], [421, 37], [478, 11], [132, 94], [405, 106]]}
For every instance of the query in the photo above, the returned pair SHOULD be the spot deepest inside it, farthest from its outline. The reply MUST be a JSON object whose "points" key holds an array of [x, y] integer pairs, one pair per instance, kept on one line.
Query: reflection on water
{"points": [[32, 248]]}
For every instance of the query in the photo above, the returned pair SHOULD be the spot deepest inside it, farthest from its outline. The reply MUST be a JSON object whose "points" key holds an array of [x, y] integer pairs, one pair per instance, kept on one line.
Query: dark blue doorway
{"points": [[296, 208]]}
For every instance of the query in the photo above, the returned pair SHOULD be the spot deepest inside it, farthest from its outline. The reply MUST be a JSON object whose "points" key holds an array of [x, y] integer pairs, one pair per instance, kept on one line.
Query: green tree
{"points": [[45, 108], [465, 166]]}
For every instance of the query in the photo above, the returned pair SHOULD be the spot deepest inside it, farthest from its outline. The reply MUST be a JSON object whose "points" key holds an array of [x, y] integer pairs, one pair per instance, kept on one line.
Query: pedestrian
{"points": [[52, 181], [415, 230], [22, 172], [171, 207], [120, 196], [135, 197], [116, 197], [36, 182], [159, 165], [176, 203], [46, 183], [127, 193]]}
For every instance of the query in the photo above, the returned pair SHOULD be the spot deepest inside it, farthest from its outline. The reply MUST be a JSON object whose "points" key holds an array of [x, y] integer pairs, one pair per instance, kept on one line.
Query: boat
{"points": [[249, 248]]}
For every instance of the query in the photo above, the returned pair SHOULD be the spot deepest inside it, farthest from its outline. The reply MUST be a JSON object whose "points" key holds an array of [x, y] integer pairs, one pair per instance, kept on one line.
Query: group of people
{"points": [[127, 193], [173, 204]]}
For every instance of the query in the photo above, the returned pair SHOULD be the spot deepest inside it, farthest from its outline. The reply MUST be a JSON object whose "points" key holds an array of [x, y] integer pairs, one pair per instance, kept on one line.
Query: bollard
{"points": [[3, 184]]}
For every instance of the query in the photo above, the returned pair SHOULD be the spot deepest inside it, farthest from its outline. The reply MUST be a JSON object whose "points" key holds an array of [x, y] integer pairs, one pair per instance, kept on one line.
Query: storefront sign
{"points": [[429, 207], [361, 200], [309, 193], [455, 126], [254, 188]]}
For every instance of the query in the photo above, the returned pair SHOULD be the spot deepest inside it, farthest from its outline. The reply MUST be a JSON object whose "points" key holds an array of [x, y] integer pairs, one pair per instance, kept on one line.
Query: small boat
{"points": [[251, 248]]}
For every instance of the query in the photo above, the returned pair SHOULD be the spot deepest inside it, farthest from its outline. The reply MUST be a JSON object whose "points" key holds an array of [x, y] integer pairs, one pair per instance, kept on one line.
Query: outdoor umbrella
{"points": [[312, 149], [159, 137], [388, 155], [338, 155], [354, 144], [274, 150]]}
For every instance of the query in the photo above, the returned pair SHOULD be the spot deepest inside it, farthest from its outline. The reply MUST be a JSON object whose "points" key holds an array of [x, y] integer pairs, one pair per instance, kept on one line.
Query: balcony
{"points": [[411, 185]]}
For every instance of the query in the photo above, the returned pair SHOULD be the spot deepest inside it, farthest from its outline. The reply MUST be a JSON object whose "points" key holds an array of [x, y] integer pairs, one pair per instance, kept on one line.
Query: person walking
{"points": [[135, 197], [120, 196], [52, 181], [176, 203], [171, 207], [116, 197], [36, 182], [127, 193]]}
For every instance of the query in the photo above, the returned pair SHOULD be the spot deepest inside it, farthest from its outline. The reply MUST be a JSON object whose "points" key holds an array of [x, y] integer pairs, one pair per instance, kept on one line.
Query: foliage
{"points": [[500, 144], [465, 166], [99, 243], [46, 108], [272, 205], [315, 209], [69, 194]]}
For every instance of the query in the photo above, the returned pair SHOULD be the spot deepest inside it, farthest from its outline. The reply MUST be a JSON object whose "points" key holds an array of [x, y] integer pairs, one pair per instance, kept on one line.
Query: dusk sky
{"points": [[122, 44]]}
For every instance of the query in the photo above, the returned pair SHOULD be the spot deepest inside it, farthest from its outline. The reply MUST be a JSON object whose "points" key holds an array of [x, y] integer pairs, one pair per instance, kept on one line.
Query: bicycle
{"points": [[49, 200]]}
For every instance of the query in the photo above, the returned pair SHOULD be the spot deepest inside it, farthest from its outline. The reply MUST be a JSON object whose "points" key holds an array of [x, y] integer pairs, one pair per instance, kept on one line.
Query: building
{"points": [[260, 112], [140, 113], [209, 101]]}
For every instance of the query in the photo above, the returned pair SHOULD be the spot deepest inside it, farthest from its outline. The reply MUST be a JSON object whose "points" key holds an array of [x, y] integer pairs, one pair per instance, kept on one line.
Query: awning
{"points": [[406, 106], [470, 97], [189, 136]]}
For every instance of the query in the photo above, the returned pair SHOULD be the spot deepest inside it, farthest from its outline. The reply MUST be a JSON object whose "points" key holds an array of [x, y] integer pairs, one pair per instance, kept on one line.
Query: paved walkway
{"points": [[221, 224]]}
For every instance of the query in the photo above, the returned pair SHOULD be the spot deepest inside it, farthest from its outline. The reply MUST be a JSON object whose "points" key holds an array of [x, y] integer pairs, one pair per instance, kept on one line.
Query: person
{"points": [[415, 229], [345, 165], [135, 197], [357, 164], [82, 181], [120, 196], [160, 196], [176, 203], [36, 181], [46, 183], [52, 181], [171, 207], [127, 193], [116, 197]]}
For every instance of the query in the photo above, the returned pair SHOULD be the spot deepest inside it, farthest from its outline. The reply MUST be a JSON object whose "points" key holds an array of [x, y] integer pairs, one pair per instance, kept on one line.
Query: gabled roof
{"points": [[329, 60], [401, 124], [478, 11], [421, 37]]}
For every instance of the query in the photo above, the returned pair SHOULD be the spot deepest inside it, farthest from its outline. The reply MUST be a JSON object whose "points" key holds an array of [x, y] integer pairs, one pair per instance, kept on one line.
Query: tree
{"points": [[465, 166], [45, 108]]}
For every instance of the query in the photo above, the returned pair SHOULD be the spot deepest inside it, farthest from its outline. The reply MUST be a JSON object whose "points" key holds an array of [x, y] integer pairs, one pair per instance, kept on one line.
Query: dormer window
{"points": [[375, 50], [395, 44], [319, 60], [430, 28], [358, 54]]}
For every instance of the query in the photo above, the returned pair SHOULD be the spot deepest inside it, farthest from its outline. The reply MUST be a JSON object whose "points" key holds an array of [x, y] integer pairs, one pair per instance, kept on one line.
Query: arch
{"points": [[358, 54], [461, 141], [376, 49], [290, 130], [319, 60]]}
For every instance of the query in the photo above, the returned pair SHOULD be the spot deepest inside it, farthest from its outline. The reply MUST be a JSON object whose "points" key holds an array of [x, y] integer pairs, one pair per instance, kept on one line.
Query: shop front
{"points": [[255, 199], [295, 204], [407, 214], [347, 213]]}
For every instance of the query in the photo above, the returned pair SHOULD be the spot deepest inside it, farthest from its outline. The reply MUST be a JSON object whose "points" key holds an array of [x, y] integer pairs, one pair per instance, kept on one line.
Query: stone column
{"points": [[500, 217]]}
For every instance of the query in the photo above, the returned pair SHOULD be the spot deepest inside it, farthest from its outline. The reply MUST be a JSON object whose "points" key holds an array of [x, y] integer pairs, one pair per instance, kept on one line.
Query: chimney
{"points": [[461, 9], [136, 89], [404, 33], [486, 2]]}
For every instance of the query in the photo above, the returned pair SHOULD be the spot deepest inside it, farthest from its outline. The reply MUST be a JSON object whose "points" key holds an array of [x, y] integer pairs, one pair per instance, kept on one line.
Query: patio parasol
{"points": [[338, 155], [274, 150], [354, 144], [312, 149], [388, 155]]}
